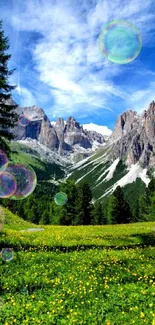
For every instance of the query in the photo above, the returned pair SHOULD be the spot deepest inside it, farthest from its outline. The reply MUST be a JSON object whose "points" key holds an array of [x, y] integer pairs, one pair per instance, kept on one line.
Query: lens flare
{"points": [[120, 41]]}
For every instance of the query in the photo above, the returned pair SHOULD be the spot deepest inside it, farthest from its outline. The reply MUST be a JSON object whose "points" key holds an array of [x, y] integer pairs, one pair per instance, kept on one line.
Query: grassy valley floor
{"points": [[91, 275]]}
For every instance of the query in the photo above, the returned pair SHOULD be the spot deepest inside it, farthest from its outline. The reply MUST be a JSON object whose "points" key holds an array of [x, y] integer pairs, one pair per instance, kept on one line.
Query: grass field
{"points": [[89, 275]]}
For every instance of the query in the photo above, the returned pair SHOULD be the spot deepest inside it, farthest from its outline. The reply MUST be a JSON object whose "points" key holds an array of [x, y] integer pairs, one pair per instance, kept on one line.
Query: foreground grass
{"points": [[110, 283]]}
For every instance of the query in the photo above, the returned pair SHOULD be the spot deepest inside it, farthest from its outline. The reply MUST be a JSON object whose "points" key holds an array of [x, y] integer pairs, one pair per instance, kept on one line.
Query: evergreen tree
{"points": [[98, 215], [84, 204], [123, 209], [136, 215], [8, 117], [151, 187], [45, 218], [144, 202], [67, 213], [56, 213], [151, 210], [112, 210], [118, 208], [105, 210], [69, 210]]}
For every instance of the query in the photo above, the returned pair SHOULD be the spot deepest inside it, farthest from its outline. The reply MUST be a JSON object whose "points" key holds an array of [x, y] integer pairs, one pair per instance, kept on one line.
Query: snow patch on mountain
{"points": [[112, 169], [136, 171], [144, 177]]}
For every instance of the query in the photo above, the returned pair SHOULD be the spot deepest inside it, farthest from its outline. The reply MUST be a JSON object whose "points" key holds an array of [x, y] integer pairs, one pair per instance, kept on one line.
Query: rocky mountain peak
{"points": [[33, 112], [64, 138], [124, 124], [133, 137], [60, 123], [72, 125], [152, 104]]}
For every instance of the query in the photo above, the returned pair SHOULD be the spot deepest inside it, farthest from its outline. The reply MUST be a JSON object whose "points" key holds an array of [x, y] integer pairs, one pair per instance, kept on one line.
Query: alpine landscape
{"points": [[77, 162]]}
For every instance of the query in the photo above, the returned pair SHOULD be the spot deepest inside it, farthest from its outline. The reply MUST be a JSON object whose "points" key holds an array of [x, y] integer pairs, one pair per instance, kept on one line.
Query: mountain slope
{"points": [[46, 169], [127, 160], [104, 176]]}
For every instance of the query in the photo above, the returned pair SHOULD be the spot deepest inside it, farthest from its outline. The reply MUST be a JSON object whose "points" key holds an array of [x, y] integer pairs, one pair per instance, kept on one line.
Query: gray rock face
{"points": [[124, 124], [74, 134], [48, 136], [133, 138], [59, 128], [38, 128], [94, 136], [60, 138]]}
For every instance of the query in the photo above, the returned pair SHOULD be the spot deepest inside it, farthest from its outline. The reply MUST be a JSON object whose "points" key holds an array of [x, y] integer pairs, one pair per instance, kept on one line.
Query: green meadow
{"points": [[91, 275]]}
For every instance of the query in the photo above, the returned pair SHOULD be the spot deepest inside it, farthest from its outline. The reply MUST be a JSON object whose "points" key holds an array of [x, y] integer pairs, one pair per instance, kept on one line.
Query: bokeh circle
{"points": [[60, 198], [120, 41], [7, 254], [8, 185], [25, 178], [23, 120]]}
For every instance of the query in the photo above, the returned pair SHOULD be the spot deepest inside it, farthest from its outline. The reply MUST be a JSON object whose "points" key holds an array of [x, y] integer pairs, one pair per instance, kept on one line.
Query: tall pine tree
{"points": [[136, 216], [8, 117], [112, 210], [119, 209], [69, 216], [98, 215], [144, 202], [84, 204], [151, 209], [124, 213], [151, 187]]}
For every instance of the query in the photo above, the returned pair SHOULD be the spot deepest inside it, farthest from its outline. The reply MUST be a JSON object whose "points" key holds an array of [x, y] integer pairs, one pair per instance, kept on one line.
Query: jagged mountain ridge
{"points": [[67, 139], [128, 158], [133, 137], [61, 137]]}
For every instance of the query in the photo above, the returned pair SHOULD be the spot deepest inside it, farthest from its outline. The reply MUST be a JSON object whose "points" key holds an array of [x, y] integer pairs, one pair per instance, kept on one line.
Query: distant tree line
{"points": [[41, 208]]}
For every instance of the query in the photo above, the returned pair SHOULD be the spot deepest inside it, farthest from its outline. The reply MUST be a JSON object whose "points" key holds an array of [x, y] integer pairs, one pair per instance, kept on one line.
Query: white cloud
{"points": [[139, 94], [26, 97], [98, 128], [67, 57], [140, 99]]}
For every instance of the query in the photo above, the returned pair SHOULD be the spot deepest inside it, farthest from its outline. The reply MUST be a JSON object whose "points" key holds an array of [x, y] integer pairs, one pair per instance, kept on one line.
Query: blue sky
{"points": [[59, 66]]}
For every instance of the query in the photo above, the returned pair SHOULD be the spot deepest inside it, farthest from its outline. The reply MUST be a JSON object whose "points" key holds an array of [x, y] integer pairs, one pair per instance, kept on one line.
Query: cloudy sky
{"points": [[58, 63]]}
